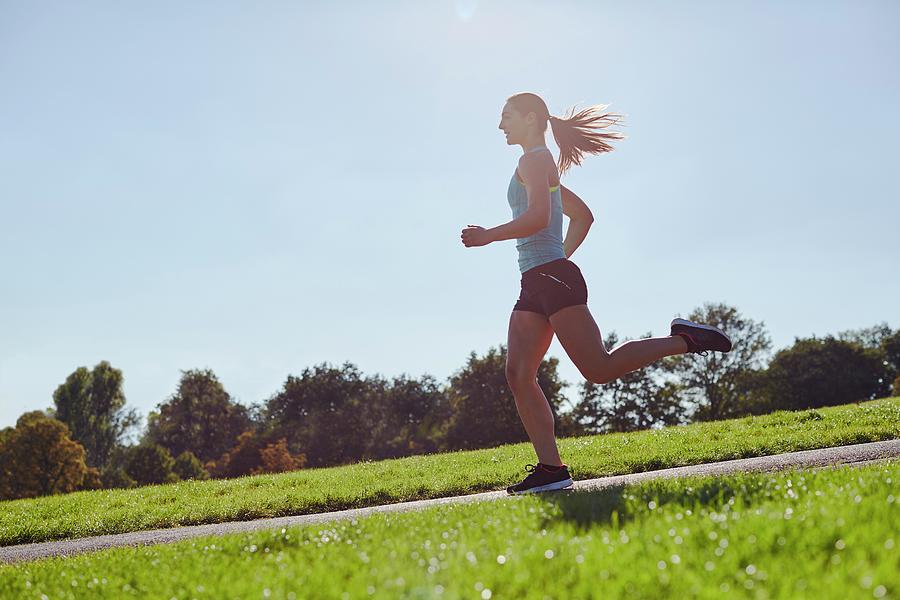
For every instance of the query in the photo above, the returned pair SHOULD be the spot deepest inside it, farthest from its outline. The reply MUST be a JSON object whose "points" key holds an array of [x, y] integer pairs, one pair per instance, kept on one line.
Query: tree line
{"points": [[332, 415]]}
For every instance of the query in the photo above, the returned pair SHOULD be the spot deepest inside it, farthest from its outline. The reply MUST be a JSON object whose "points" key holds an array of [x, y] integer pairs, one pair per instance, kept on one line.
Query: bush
{"points": [[187, 466], [150, 464]]}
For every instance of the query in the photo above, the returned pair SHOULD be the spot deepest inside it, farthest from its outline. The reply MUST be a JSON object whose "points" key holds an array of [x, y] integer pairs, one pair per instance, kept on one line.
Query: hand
{"points": [[473, 235]]}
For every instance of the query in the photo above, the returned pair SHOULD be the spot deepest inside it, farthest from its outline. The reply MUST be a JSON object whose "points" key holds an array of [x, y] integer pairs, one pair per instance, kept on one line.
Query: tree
{"points": [[323, 414], [276, 458], [636, 400], [200, 417], [715, 385], [150, 464], [406, 416], [187, 466], [39, 458], [818, 372], [92, 405], [891, 347], [483, 408], [883, 343]]}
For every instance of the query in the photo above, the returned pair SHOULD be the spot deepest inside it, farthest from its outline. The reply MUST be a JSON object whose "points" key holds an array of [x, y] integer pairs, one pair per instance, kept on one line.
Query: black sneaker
{"points": [[543, 478], [701, 338]]}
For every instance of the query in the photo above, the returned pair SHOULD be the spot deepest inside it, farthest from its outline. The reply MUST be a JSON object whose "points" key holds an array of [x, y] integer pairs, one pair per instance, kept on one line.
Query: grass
{"points": [[438, 475], [829, 533]]}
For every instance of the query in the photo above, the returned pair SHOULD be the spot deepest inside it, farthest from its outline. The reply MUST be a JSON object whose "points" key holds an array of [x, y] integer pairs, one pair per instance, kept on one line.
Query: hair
{"points": [[574, 134]]}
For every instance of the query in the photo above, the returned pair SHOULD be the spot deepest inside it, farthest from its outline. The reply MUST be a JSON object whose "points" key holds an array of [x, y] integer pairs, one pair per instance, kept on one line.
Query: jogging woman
{"points": [[553, 296]]}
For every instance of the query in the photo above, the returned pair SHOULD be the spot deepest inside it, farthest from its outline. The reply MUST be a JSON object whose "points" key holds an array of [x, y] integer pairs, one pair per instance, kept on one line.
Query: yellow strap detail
{"points": [[554, 188]]}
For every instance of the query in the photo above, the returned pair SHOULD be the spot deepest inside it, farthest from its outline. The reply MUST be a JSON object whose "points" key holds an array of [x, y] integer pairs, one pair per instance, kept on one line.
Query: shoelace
{"points": [[704, 353]]}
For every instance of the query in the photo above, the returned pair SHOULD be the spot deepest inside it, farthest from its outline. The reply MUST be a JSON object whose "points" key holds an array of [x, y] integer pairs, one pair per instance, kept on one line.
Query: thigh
{"points": [[580, 337], [529, 338]]}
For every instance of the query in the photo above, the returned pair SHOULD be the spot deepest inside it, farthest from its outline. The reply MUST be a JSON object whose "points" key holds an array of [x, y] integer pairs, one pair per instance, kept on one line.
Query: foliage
{"points": [[253, 455], [92, 405], [276, 458], [325, 414], [187, 466], [407, 416], [818, 372], [150, 464], [37, 458], [200, 417]]}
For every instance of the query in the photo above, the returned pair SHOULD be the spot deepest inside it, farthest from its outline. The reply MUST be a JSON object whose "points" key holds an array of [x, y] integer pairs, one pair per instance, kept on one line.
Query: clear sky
{"points": [[259, 187]]}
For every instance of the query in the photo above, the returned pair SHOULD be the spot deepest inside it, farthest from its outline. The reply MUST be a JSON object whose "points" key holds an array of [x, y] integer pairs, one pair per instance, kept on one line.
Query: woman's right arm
{"points": [[580, 220]]}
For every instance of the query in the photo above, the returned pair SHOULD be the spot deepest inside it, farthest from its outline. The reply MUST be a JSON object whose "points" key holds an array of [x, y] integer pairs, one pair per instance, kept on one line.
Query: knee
{"points": [[518, 376], [599, 376]]}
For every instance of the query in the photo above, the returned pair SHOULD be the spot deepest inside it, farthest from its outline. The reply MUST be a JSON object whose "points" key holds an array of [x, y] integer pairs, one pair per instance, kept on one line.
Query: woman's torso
{"points": [[546, 244]]}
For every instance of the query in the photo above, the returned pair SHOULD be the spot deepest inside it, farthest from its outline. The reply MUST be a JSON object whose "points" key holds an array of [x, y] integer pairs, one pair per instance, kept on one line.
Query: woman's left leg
{"points": [[580, 337]]}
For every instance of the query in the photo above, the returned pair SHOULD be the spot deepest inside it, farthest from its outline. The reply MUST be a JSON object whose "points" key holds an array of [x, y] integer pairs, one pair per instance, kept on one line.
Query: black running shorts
{"points": [[551, 286]]}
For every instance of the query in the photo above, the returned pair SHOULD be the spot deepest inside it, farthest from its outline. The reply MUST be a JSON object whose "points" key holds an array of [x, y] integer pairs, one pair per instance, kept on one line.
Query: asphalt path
{"points": [[842, 455]]}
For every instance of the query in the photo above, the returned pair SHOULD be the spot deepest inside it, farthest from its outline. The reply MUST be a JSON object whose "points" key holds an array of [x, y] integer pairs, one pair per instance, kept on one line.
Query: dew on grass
{"points": [[501, 559], [839, 544], [548, 554], [879, 592], [889, 543]]}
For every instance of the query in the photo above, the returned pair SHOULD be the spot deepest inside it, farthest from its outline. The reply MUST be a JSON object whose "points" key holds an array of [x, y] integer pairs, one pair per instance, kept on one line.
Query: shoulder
{"points": [[536, 165]]}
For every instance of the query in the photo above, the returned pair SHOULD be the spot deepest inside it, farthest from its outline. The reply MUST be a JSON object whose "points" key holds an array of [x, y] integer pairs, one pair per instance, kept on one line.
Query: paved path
{"points": [[858, 453]]}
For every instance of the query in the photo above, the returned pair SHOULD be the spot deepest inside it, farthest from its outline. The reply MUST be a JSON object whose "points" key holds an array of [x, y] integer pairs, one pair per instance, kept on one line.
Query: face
{"points": [[515, 125]]}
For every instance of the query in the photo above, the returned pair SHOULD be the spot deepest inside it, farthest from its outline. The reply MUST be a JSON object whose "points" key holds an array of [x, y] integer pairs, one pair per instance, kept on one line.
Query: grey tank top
{"points": [[547, 244]]}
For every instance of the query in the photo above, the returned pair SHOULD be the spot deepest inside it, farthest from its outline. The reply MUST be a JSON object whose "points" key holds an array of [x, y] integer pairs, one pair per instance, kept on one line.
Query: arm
{"points": [[537, 215], [580, 220]]}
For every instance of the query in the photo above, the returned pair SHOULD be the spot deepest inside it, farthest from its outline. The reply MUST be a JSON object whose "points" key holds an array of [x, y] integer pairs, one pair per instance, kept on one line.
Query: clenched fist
{"points": [[473, 235]]}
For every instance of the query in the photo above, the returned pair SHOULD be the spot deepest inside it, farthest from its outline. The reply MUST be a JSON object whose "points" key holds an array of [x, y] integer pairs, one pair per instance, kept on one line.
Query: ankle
{"points": [[685, 342]]}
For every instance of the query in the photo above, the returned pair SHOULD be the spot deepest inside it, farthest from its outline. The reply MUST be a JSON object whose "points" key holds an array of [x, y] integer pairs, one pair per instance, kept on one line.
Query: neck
{"points": [[533, 142]]}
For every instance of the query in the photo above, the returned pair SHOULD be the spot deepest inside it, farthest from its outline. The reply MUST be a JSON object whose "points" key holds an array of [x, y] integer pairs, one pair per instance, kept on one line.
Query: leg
{"points": [[529, 337], [579, 335]]}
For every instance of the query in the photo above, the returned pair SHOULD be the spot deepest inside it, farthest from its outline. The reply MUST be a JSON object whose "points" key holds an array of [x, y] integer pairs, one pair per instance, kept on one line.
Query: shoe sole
{"points": [[699, 326], [546, 488]]}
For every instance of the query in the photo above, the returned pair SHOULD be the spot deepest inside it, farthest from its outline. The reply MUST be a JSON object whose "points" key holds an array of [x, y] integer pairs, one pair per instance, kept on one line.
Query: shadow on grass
{"points": [[619, 504]]}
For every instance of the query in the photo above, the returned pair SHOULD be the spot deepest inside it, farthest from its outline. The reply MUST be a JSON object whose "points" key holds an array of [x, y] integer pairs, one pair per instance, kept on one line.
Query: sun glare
{"points": [[465, 9]]}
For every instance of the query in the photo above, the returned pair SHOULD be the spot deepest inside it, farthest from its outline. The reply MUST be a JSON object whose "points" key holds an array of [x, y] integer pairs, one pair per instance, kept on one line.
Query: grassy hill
{"points": [[437, 475]]}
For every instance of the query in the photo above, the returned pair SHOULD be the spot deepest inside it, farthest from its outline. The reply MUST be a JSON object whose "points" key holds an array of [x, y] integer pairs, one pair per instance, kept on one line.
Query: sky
{"points": [[260, 187]]}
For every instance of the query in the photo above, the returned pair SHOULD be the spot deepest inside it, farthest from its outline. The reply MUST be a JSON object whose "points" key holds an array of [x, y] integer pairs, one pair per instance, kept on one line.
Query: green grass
{"points": [[364, 484], [830, 533]]}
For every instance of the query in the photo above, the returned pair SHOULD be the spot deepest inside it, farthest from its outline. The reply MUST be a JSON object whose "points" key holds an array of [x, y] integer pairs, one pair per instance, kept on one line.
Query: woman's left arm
{"points": [[580, 220]]}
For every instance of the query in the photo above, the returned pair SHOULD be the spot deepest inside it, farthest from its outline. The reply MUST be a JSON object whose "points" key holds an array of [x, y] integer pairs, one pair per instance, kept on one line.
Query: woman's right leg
{"points": [[529, 338]]}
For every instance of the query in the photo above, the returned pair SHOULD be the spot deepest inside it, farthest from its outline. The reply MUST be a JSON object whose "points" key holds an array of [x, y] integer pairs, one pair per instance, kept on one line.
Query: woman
{"points": [[553, 297]]}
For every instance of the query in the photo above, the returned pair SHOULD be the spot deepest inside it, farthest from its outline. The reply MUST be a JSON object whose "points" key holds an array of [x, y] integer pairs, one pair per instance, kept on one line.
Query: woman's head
{"points": [[525, 117]]}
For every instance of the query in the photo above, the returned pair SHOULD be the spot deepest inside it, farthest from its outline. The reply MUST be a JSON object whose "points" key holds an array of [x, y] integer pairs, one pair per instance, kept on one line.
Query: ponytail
{"points": [[576, 134]]}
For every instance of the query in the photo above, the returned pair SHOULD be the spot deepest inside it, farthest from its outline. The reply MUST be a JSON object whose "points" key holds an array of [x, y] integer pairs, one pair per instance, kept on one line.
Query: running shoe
{"points": [[542, 478], [701, 338]]}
